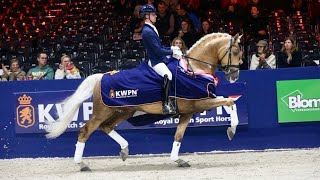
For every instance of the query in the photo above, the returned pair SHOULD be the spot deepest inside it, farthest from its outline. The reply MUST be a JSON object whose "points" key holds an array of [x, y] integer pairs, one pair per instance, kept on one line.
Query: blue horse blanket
{"points": [[142, 85]]}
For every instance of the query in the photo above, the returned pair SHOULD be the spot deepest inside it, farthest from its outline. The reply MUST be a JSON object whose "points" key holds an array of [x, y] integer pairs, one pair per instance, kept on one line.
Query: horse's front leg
{"points": [[183, 123], [207, 104]]}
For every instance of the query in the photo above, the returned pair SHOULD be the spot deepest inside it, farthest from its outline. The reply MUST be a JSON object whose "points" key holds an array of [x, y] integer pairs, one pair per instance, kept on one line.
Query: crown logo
{"points": [[111, 93], [25, 99]]}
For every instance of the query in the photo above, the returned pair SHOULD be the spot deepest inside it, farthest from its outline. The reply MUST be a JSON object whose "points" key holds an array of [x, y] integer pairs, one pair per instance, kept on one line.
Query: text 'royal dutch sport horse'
{"points": [[118, 96]]}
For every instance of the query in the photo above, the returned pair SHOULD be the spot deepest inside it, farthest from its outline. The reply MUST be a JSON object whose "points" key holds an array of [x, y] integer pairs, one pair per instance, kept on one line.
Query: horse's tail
{"points": [[71, 104]]}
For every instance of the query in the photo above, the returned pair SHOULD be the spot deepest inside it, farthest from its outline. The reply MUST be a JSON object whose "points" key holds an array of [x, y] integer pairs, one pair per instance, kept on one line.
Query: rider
{"points": [[156, 54]]}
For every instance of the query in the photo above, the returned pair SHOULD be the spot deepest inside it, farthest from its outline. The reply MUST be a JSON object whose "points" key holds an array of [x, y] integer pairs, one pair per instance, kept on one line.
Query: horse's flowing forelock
{"points": [[208, 38]]}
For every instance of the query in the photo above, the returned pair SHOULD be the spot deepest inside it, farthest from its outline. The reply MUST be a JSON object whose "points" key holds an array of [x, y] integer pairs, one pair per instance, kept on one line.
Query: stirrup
{"points": [[168, 109]]}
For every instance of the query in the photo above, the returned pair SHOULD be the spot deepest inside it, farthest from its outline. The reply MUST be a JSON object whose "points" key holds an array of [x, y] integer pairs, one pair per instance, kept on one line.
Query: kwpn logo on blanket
{"points": [[127, 93]]}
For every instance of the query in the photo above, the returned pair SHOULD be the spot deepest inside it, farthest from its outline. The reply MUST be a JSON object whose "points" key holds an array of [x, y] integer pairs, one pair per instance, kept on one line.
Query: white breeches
{"points": [[161, 69]]}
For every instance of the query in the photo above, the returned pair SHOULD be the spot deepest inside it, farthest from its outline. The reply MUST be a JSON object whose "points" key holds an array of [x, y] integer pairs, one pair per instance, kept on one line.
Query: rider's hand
{"points": [[177, 53], [175, 48]]}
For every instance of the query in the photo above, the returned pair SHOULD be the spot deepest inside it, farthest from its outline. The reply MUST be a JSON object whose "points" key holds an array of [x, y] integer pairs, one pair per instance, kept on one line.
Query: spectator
{"points": [[191, 5], [182, 14], [66, 69], [188, 35], [165, 20], [260, 4], [289, 56], [43, 71], [234, 13], [206, 28], [14, 73], [256, 25], [136, 23], [180, 43], [263, 58], [172, 5]]}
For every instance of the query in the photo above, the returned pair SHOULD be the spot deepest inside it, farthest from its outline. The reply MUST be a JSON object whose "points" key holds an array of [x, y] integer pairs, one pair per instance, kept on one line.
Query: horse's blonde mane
{"points": [[207, 38]]}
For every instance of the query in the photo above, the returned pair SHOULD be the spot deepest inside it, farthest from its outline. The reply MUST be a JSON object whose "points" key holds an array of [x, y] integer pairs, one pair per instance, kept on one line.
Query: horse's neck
{"points": [[206, 53]]}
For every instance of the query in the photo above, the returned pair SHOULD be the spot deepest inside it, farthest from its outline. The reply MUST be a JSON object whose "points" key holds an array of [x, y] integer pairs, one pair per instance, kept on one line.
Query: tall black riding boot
{"points": [[167, 107]]}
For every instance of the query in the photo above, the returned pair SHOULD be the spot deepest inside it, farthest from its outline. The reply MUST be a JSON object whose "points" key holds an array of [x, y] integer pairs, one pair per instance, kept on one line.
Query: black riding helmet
{"points": [[147, 9]]}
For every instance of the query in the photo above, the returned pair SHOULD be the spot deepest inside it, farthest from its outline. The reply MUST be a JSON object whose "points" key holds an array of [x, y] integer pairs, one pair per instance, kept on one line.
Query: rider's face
{"points": [[153, 17]]}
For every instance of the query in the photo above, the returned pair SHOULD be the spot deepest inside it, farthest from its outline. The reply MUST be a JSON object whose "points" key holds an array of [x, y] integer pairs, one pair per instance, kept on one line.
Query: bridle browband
{"points": [[225, 68]]}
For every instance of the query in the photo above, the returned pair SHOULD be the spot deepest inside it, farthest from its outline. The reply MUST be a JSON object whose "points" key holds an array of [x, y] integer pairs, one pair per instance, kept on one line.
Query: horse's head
{"points": [[216, 50], [229, 58]]}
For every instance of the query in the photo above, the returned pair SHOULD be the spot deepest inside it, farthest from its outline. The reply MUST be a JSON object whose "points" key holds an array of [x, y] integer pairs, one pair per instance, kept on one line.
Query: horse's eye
{"points": [[235, 53]]}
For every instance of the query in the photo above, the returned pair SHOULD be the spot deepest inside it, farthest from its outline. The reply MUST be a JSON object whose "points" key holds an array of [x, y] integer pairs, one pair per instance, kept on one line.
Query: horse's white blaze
{"points": [[71, 104]]}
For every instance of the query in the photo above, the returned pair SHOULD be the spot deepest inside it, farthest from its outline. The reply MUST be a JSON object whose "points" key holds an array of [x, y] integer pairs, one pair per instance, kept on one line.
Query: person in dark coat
{"points": [[289, 56]]}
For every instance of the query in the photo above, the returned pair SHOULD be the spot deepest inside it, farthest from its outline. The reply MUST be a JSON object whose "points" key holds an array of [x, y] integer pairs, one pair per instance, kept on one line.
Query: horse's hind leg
{"points": [[108, 127], [100, 114], [183, 123], [85, 133]]}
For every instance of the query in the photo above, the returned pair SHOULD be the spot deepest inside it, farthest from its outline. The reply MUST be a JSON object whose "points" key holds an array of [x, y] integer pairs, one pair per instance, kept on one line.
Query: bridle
{"points": [[225, 68]]}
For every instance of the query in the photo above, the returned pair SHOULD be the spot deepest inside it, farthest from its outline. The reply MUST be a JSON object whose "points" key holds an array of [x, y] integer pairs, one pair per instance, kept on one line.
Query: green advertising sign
{"points": [[298, 100]]}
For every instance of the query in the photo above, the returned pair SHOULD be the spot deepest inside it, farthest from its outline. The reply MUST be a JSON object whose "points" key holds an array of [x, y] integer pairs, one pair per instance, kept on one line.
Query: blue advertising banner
{"points": [[33, 109]]}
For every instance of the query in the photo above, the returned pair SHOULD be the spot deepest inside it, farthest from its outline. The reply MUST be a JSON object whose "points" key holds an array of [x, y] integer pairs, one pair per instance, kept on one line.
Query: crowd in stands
{"points": [[46, 39]]}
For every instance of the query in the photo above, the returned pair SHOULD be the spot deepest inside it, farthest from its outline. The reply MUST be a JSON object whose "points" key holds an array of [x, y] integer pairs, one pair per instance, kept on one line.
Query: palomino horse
{"points": [[213, 51]]}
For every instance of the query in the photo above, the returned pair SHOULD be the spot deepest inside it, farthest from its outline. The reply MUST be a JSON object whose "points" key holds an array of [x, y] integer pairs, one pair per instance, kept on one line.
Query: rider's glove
{"points": [[176, 52]]}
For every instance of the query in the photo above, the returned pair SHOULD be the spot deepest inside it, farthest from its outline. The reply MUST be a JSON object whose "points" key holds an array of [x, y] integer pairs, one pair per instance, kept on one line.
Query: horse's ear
{"points": [[237, 38]]}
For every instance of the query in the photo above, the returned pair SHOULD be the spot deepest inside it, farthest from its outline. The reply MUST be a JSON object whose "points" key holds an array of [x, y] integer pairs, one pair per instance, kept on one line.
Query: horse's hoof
{"points": [[124, 153], [83, 167], [230, 133], [182, 163]]}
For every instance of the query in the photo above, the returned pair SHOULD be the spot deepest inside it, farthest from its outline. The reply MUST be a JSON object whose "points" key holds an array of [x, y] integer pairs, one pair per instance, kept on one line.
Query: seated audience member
{"points": [[263, 58], [180, 43], [261, 4], [43, 71], [183, 14], [289, 56], [136, 23], [165, 20], [171, 5], [234, 12], [256, 25], [186, 33], [206, 28], [66, 69], [14, 73], [191, 5]]}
